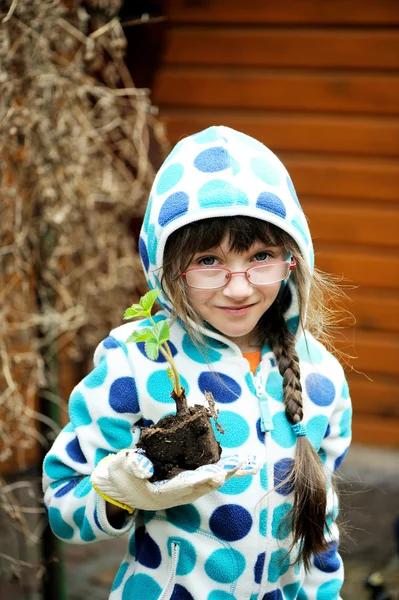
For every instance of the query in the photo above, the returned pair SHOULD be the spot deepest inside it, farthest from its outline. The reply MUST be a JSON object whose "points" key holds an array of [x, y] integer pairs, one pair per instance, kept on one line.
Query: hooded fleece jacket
{"points": [[231, 544]]}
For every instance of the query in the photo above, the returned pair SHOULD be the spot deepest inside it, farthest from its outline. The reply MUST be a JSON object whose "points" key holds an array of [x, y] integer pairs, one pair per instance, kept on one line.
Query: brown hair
{"points": [[307, 477]]}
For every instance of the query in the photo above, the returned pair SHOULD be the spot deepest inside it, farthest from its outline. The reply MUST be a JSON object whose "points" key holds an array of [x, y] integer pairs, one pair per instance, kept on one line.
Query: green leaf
{"points": [[141, 335], [164, 333], [151, 349], [134, 311], [147, 301]]}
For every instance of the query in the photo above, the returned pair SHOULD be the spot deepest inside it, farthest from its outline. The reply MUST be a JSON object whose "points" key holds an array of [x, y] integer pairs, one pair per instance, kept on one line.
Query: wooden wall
{"points": [[318, 83]]}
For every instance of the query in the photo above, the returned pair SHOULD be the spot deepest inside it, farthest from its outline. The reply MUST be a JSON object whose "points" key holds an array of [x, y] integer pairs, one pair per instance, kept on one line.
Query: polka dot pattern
{"points": [[187, 555], [160, 387], [123, 396], [230, 522], [320, 389], [225, 565], [265, 171], [224, 388], [271, 203], [220, 193], [116, 432], [236, 429], [212, 160], [205, 356], [78, 411], [169, 178], [174, 206]]}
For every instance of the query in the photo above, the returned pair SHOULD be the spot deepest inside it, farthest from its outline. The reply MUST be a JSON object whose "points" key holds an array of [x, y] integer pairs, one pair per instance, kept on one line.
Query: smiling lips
{"points": [[236, 310]]}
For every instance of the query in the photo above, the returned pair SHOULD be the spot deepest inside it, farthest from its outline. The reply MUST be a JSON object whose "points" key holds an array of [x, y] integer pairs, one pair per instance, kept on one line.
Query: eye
{"points": [[207, 261], [262, 256]]}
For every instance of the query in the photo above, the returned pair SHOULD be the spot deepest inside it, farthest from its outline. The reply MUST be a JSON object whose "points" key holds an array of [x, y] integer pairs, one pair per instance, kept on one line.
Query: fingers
{"points": [[138, 464], [251, 467]]}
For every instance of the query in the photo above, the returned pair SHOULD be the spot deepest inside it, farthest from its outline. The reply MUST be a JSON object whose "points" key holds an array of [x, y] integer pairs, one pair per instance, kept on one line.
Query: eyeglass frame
{"points": [[291, 263]]}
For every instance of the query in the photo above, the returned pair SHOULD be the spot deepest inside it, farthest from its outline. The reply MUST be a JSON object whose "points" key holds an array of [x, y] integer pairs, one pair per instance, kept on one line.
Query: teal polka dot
{"points": [[97, 377], [225, 566], [210, 134], [281, 525], [169, 178], [202, 356], [329, 590], [263, 522], [278, 565], [282, 433], [81, 521], [117, 432], [250, 383], [152, 245], [263, 476], [185, 517], [58, 525], [309, 352], [83, 488], [55, 469], [218, 192], [120, 575], [345, 423], [302, 595], [345, 390], [265, 170], [68, 428], [322, 455], [250, 142], [220, 595], [274, 386], [187, 555], [291, 590], [141, 586], [315, 430], [78, 411], [236, 485], [300, 224], [236, 429], [147, 214], [100, 454], [159, 387]]}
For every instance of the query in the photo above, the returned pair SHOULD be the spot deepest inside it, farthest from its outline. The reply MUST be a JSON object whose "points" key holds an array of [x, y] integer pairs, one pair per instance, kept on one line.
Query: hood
{"points": [[219, 172]]}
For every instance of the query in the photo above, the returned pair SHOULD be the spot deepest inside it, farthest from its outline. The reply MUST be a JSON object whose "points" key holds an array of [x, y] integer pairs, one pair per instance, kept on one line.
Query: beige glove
{"points": [[122, 479]]}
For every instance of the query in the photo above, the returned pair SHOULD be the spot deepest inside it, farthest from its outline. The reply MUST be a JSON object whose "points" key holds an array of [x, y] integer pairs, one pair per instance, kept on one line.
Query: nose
{"points": [[238, 287]]}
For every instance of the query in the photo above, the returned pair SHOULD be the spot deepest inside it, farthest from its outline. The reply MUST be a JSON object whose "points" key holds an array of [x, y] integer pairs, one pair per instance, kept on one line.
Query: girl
{"points": [[225, 239]]}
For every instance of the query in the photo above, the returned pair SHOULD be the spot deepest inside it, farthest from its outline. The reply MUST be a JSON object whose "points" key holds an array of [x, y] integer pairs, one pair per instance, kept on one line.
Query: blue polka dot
{"points": [[97, 377], [144, 253], [339, 460], [224, 389], [315, 430], [58, 525], [78, 411], [274, 386], [83, 488], [236, 429], [236, 485], [271, 203], [55, 469], [225, 565], [117, 432], [265, 170], [258, 569], [181, 593], [281, 525], [328, 431], [292, 191], [203, 356], [75, 452], [259, 432], [329, 590], [96, 521], [120, 575], [161, 358], [328, 561], [263, 522], [187, 555], [147, 214], [149, 554], [220, 595], [220, 193], [123, 397], [66, 488], [282, 470], [169, 178], [320, 389], [141, 586], [159, 386], [345, 423], [212, 160], [110, 342], [152, 245], [230, 522], [81, 521], [282, 433], [274, 595], [278, 565], [185, 517], [211, 134], [174, 206], [291, 590]]}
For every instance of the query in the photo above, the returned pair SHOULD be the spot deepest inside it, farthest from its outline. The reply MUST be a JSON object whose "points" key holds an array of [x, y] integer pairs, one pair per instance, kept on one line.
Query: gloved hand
{"points": [[122, 479]]}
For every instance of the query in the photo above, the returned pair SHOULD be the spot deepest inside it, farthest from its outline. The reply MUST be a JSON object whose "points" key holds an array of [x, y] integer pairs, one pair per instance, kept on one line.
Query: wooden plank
{"points": [[374, 352], [379, 431], [374, 310], [336, 221], [283, 47], [375, 12], [373, 269], [331, 177], [378, 397], [277, 90], [295, 132]]}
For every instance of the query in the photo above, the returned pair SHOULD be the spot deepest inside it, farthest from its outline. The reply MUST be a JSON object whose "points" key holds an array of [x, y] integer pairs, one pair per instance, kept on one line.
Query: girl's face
{"points": [[235, 309]]}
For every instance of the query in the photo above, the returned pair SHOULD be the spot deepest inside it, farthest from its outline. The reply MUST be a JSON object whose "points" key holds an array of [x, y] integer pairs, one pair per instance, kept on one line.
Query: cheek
{"points": [[199, 297], [271, 292]]}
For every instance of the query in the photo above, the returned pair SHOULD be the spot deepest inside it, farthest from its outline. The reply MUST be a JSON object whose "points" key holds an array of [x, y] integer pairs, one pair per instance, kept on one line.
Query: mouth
{"points": [[236, 310]]}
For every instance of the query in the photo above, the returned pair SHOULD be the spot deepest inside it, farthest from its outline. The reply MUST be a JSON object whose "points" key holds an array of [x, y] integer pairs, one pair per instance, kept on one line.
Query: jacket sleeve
{"points": [[326, 575], [103, 411]]}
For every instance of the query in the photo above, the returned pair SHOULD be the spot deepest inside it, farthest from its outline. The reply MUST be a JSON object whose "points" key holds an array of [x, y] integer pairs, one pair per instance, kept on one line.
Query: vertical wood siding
{"points": [[318, 83]]}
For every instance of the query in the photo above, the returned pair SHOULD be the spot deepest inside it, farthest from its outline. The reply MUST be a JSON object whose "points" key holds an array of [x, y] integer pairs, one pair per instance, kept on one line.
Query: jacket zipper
{"points": [[170, 584]]}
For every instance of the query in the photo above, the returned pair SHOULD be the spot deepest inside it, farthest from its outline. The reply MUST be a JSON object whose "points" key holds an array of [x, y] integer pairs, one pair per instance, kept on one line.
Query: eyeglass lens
{"points": [[214, 278]]}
